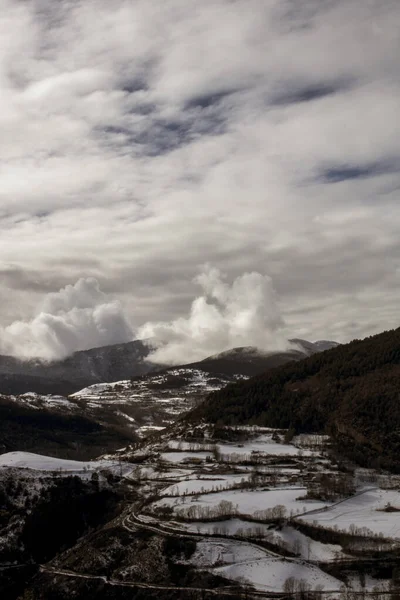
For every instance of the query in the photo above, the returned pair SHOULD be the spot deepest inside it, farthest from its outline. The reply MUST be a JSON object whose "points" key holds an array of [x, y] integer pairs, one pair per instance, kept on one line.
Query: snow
{"points": [[95, 390], [309, 549], [211, 553], [184, 446], [279, 470], [28, 460], [202, 485], [34, 400], [307, 439], [363, 510], [271, 573], [146, 429], [151, 473], [262, 444], [127, 417], [177, 457], [228, 527], [250, 501]]}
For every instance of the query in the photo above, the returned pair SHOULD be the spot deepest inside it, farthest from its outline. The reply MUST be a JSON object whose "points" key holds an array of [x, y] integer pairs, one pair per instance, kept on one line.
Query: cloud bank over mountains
{"points": [[140, 140], [225, 316], [78, 317], [81, 316]]}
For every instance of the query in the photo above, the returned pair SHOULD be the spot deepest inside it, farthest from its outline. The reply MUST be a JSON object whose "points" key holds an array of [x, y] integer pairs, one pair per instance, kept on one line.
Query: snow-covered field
{"points": [[151, 473], [197, 488], [178, 457], [146, 429], [364, 510], [228, 527], [97, 390], [294, 540], [211, 553], [28, 460], [306, 547], [262, 444], [249, 502], [194, 486], [265, 445], [271, 573]]}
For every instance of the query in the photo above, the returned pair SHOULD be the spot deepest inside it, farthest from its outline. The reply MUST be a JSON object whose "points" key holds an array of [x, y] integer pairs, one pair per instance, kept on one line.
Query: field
{"points": [[246, 501], [260, 511]]}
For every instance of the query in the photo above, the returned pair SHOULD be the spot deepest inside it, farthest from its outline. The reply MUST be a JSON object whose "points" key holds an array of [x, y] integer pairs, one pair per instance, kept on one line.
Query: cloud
{"points": [[139, 140], [78, 317], [225, 316]]}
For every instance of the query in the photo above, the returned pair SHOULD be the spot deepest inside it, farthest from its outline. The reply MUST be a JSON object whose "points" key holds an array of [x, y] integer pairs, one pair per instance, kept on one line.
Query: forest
{"points": [[351, 392]]}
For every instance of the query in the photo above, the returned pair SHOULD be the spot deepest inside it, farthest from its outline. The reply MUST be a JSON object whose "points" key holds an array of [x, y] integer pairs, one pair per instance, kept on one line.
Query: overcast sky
{"points": [[242, 152]]}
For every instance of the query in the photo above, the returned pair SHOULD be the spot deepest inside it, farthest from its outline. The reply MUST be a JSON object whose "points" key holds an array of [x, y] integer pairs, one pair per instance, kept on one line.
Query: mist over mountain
{"points": [[97, 365], [249, 360], [225, 315]]}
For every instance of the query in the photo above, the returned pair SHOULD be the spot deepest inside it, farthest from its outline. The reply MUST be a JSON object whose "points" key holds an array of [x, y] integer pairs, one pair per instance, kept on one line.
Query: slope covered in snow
{"points": [[37, 462]]}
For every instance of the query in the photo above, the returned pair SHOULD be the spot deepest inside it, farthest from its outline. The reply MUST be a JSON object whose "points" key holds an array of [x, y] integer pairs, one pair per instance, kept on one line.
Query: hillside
{"points": [[57, 430], [249, 361], [350, 391], [97, 365], [106, 415], [124, 361]]}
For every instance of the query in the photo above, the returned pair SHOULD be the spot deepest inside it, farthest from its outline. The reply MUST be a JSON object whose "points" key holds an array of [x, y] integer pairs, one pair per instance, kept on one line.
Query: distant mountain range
{"points": [[100, 399], [98, 365], [124, 361]]}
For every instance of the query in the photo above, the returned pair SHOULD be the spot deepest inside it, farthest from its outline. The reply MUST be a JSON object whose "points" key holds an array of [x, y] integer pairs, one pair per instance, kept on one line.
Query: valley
{"points": [[245, 508], [189, 507]]}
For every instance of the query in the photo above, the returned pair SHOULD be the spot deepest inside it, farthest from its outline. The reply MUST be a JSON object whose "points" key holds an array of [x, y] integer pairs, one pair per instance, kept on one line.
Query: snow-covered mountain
{"points": [[128, 407], [124, 361], [105, 415]]}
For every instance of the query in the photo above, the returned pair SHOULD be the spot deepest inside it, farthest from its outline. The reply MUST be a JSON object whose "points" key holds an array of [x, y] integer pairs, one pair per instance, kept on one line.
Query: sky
{"points": [[205, 174]]}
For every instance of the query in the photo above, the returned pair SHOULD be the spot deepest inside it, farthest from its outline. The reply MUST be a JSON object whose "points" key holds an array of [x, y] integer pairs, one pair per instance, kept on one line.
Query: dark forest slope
{"points": [[352, 391], [62, 435]]}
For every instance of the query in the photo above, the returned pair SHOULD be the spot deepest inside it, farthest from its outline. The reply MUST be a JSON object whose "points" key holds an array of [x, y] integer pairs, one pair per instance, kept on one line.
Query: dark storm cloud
{"points": [[307, 93], [341, 173]]}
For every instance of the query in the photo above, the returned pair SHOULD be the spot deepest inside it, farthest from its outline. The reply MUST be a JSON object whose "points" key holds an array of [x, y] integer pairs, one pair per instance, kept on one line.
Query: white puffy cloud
{"points": [[225, 316], [78, 317]]}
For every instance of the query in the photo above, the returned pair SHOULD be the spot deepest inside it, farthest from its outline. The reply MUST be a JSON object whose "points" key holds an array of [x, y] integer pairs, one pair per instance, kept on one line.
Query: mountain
{"points": [[151, 401], [249, 361], [104, 416], [108, 363], [350, 391], [310, 348], [122, 361]]}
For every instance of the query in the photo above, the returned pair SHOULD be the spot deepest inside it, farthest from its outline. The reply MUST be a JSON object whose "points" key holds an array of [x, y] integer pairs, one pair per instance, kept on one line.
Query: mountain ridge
{"points": [[350, 391], [83, 368], [107, 364]]}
